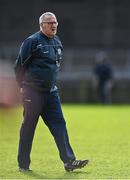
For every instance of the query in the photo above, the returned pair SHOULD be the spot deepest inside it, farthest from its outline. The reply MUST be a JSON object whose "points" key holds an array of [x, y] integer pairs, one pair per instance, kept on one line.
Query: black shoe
{"points": [[25, 170], [75, 164]]}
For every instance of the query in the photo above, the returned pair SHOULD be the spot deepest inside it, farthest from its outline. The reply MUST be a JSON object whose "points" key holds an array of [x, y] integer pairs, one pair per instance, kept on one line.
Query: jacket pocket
{"points": [[44, 51]]}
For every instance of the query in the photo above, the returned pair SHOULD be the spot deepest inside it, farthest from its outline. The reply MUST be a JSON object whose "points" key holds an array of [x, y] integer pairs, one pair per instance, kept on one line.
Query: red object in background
{"points": [[9, 94]]}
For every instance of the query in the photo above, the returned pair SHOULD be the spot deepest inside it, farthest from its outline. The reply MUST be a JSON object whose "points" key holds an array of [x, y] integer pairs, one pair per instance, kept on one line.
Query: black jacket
{"points": [[38, 62], [103, 73]]}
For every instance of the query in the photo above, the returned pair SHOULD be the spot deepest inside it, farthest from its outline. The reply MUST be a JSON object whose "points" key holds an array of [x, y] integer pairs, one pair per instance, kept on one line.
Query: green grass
{"points": [[98, 133]]}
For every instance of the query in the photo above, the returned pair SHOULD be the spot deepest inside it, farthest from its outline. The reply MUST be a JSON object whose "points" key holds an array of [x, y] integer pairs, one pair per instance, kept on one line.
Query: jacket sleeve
{"points": [[23, 60]]}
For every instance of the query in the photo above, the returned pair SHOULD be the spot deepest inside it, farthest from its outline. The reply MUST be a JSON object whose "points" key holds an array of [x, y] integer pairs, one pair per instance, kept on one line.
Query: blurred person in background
{"points": [[36, 71], [103, 78]]}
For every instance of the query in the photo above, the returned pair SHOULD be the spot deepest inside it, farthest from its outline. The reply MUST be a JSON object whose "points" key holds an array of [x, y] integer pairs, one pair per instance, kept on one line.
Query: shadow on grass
{"points": [[65, 175], [36, 175], [74, 175]]}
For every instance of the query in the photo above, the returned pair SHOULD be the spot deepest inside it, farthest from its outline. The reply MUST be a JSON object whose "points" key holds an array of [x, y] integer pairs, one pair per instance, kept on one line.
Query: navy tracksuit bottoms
{"points": [[48, 106]]}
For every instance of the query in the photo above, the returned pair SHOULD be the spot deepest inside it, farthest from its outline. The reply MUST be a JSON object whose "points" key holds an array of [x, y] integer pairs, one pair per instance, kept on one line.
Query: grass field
{"points": [[98, 133]]}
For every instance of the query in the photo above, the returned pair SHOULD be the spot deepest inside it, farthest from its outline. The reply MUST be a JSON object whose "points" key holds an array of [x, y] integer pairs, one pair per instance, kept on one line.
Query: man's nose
{"points": [[54, 25]]}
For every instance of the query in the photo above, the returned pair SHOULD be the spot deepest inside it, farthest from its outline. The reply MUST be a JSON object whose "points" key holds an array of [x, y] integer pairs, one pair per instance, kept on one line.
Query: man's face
{"points": [[49, 25]]}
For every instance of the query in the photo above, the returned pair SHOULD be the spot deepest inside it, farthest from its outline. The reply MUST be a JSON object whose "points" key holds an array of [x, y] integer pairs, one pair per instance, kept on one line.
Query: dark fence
{"points": [[85, 28]]}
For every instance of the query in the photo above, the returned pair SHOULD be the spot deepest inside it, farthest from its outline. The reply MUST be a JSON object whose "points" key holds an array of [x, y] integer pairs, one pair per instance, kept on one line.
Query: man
{"points": [[104, 75], [36, 70]]}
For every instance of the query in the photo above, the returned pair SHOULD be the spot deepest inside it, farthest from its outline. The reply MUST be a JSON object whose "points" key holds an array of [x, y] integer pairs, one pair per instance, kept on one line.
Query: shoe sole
{"points": [[25, 171]]}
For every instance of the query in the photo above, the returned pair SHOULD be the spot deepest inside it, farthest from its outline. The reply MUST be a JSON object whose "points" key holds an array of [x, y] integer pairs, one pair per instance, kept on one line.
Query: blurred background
{"points": [[86, 28]]}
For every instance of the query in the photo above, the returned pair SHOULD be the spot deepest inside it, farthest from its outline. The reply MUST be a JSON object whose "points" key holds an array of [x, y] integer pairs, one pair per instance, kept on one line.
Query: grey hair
{"points": [[43, 15]]}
